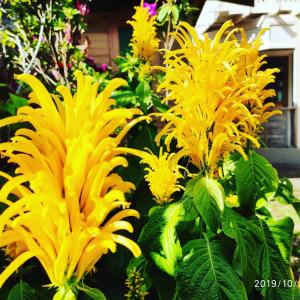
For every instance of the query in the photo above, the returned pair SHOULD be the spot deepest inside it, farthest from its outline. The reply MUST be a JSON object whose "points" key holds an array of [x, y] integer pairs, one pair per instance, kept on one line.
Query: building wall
{"points": [[103, 35]]}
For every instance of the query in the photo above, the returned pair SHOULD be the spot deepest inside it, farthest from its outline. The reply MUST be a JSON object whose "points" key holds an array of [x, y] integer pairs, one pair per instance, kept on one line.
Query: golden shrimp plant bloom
{"points": [[163, 172], [144, 42], [218, 94], [68, 202]]}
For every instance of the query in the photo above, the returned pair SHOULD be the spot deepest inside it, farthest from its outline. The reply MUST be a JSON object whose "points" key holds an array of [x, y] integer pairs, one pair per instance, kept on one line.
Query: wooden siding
{"points": [[103, 37]]}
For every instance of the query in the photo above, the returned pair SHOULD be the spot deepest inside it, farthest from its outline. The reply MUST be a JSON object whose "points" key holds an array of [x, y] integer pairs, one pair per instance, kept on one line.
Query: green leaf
{"points": [[22, 291], [163, 13], [284, 193], [92, 293], [164, 285], [13, 104], [230, 163], [275, 255], [175, 14], [247, 236], [158, 239], [124, 98], [70, 12], [255, 179], [206, 274], [143, 91], [190, 211], [158, 105], [208, 197]]}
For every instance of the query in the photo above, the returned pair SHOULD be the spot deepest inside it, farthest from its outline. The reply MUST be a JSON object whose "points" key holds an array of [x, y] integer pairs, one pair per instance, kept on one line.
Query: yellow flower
{"points": [[163, 173], [68, 195], [218, 94], [144, 71], [144, 42]]}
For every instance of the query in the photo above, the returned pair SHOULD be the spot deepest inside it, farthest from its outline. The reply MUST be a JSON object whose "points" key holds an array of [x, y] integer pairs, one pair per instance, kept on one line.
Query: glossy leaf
{"points": [[248, 238], [158, 239], [274, 257], [206, 274], [208, 197], [255, 179], [143, 92]]}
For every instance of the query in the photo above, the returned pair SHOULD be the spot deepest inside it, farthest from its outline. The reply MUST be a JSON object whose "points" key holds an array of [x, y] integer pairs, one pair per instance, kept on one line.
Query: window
{"points": [[125, 33], [279, 130]]}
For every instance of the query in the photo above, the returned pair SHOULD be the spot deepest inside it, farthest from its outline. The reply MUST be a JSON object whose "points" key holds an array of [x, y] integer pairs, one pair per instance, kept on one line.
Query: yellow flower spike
{"points": [[163, 172], [218, 91], [68, 162], [144, 42]]}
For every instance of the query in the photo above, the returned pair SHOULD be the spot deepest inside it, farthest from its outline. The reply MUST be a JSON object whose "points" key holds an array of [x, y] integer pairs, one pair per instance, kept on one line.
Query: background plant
{"points": [[43, 38]]}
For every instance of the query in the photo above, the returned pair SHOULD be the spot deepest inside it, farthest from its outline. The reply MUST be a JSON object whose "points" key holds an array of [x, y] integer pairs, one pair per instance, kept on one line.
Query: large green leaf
{"points": [[248, 238], [158, 239], [274, 256], [22, 291], [190, 210], [255, 179], [208, 197], [206, 274]]}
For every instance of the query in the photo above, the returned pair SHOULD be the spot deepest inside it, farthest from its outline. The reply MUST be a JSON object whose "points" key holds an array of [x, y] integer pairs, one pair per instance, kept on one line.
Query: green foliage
{"points": [[45, 38], [248, 237], [159, 241], [22, 291], [274, 257], [284, 193], [92, 293], [174, 11], [12, 105], [208, 197], [206, 273], [224, 251], [143, 92], [255, 179]]}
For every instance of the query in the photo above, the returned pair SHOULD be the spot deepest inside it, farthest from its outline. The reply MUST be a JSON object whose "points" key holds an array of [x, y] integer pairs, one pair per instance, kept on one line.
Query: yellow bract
{"points": [[67, 159], [218, 94], [144, 42], [163, 173]]}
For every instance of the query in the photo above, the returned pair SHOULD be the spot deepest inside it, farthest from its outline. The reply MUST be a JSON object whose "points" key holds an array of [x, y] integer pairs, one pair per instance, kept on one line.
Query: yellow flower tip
{"points": [[163, 173], [17, 76], [78, 74], [137, 252]]}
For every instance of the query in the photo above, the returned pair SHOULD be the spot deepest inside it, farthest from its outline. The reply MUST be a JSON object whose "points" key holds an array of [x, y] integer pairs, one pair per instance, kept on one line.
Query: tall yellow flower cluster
{"points": [[218, 92], [144, 42], [67, 193]]}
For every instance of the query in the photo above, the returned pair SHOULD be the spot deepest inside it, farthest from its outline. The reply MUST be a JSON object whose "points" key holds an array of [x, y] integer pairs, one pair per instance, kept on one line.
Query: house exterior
{"points": [[108, 33], [282, 45]]}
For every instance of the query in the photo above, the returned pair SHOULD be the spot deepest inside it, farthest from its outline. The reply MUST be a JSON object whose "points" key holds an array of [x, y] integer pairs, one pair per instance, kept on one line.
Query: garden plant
{"points": [[167, 153]]}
